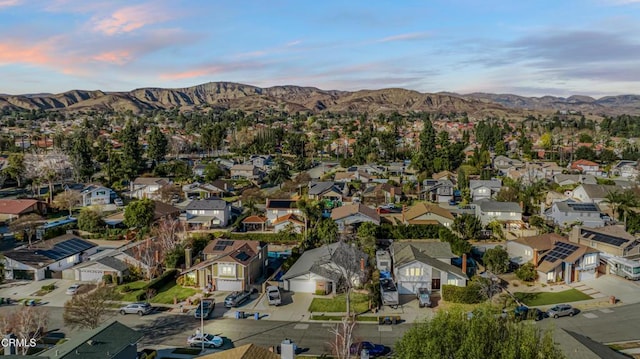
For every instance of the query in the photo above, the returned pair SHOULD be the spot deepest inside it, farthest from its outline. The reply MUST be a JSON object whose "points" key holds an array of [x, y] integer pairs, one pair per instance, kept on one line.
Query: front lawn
{"points": [[340, 317], [338, 304], [164, 296], [547, 298]]}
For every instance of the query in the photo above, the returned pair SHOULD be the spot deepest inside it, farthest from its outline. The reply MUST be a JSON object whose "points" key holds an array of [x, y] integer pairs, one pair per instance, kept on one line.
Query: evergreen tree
{"points": [[131, 160], [158, 145], [82, 156], [424, 159]]}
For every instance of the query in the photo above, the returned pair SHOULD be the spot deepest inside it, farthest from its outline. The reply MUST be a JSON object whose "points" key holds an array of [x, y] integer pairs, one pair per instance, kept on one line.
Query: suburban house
{"points": [[46, 259], [593, 193], [567, 213], [586, 167], [254, 223], [11, 209], [161, 211], [289, 221], [626, 169], [352, 215], [111, 340], [207, 213], [250, 172], [571, 179], [228, 265], [95, 195], [382, 193], [424, 264], [95, 270], [423, 213], [509, 214], [276, 208], [555, 258], [612, 240], [505, 164], [197, 190], [328, 191], [147, 187], [261, 161], [484, 189], [320, 270], [440, 191]]}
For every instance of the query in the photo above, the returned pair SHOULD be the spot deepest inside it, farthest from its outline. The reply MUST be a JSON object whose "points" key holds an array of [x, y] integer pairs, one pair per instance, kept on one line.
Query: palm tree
{"points": [[614, 199], [628, 201]]}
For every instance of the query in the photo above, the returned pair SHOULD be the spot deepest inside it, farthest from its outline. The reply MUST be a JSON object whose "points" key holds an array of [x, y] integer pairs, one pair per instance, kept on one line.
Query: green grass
{"points": [[546, 298], [338, 304], [134, 289], [166, 293], [340, 317]]}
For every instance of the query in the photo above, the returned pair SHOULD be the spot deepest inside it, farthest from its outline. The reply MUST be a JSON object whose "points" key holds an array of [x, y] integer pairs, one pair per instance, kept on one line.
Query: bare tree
{"points": [[67, 200], [343, 338], [167, 193], [28, 225], [348, 260], [26, 323], [50, 167], [150, 253], [88, 310], [168, 234]]}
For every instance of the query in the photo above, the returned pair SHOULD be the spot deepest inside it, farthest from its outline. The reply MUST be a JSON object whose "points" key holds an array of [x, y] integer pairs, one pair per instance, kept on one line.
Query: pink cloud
{"points": [[9, 3], [15, 53], [212, 69], [118, 57], [131, 18]]}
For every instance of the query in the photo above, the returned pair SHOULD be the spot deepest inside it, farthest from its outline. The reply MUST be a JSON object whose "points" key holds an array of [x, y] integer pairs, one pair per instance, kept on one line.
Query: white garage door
{"points": [[302, 286], [411, 287], [587, 275], [228, 285], [90, 275]]}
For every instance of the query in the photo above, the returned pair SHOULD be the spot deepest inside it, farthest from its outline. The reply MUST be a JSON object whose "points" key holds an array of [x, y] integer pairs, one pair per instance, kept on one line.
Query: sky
{"points": [[530, 48]]}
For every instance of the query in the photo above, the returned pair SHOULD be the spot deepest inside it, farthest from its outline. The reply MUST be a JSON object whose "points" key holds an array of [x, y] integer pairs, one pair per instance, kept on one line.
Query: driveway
{"points": [[626, 291], [28, 289]]}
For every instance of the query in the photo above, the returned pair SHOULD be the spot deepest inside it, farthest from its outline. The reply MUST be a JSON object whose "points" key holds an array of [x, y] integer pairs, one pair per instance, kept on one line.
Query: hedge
{"points": [[411, 231], [162, 280], [278, 238], [466, 295]]}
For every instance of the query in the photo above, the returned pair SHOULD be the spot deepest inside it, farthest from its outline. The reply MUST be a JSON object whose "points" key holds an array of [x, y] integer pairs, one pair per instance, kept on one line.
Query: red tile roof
{"points": [[16, 206]]}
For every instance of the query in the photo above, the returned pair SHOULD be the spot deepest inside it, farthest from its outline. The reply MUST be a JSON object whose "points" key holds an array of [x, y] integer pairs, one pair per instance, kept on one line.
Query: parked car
{"points": [[136, 308], [373, 349], [424, 299], [118, 202], [205, 309], [273, 295], [209, 340], [523, 312], [562, 310], [236, 298], [73, 289]]}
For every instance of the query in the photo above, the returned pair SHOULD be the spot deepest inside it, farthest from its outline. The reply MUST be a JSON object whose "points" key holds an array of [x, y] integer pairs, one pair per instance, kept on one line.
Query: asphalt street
{"points": [[166, 329]]}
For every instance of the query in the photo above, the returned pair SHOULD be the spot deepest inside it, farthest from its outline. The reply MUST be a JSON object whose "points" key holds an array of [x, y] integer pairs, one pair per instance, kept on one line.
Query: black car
{"points": [[236, 298], [205, 308], [523, 312]]}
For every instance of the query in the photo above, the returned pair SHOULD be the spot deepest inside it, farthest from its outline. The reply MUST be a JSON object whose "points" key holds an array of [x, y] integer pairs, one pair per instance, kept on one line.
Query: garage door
{"points": [[587, 275], [91, 275], [302, 286], [411, 287], [228, 285]]}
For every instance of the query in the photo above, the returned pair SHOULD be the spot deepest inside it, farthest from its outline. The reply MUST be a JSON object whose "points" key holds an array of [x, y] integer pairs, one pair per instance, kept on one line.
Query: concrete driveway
{"points": [[28, 289], [626, 291]]}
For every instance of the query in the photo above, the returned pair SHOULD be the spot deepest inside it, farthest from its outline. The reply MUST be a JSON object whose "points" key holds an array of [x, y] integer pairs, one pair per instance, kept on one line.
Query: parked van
{"points": [[273, 295]]}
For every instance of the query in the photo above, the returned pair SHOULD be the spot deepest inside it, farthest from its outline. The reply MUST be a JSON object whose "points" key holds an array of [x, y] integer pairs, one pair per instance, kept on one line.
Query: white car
{"points": [[210, 340], [73, 289], [118, 202]]}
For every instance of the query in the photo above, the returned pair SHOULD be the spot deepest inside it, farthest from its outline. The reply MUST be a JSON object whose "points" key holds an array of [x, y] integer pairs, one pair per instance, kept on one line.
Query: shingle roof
{"points": [[114, 263], [46, 252], [432, 248], [247, 351], [494, 183], [598, 191], [350, 209], [314, 259], [422, 208], [407, 253], [16, 206], [106, 341], [207, 204], [281, 204], [146, 181], [487, 205]]}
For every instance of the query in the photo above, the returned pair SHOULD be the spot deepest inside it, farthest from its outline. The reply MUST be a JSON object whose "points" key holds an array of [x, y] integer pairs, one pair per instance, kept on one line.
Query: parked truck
{"points": [[273, 295], [388, 289]]}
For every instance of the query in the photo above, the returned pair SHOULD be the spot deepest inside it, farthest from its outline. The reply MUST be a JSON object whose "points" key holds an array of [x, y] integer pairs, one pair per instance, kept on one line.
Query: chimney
{"points": [[464, 263], [535, 258], [187, 257], [522, 206], [362, 264]]}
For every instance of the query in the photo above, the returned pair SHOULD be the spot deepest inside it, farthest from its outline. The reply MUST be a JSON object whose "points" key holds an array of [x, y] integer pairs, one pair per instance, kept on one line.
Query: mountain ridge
{"points": [[294, 98]]}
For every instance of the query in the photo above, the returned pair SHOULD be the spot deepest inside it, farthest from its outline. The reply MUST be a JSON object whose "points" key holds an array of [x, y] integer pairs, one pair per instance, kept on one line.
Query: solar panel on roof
{"points": [[242, 256], [225, 243], [219, 248]]}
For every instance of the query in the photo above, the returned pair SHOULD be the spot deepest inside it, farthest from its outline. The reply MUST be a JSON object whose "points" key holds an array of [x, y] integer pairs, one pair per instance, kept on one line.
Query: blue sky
{"points": [[533, 48]]}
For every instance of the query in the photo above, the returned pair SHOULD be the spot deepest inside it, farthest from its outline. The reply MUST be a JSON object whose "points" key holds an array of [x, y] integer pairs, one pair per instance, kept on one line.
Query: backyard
{"points": [[338, 304], [547, 298]]}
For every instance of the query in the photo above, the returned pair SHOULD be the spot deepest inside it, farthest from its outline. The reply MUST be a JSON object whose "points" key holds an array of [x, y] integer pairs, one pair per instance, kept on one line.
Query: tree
{"points": [[90, 220], [139, 213], [86, 311], [168, 233], [1, 269], [131, 159], [26, 323], [367, 237], [423, 161], [15, 167], [451, 334], [343, 338], [280, 171], [27, 226], [327, 231], [496, 230], [347, 260], [527, 272], [82, 155], [67, 200], [158, 145], [468, 226], [212, 172], [496, 259]]}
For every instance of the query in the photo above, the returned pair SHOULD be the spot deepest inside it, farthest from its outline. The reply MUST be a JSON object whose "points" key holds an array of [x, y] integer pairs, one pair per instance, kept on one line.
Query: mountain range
{"points": [[310, 99]]}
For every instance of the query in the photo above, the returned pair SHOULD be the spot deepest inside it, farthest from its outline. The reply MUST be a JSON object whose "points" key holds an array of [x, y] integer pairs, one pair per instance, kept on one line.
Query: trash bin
{"points": [[237, 314], [612, 299], [242, 315], [256, 316]]}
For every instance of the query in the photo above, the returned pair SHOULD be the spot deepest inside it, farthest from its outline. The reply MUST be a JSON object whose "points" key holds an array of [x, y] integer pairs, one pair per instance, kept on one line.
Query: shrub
{"points": [[466, 295], [48, 287], [527, 273], [320, 292], [125, 289], [141, 296], [107, 279], [195, 302], [161, 281]]}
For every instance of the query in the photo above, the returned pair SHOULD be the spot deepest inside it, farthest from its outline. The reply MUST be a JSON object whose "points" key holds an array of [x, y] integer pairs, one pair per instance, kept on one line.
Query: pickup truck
{"points": [[204, 309], [273, 295]]}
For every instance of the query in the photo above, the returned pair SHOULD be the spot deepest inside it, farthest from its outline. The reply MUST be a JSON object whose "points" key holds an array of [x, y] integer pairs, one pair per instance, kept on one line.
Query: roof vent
{"points": [[91, 342]]}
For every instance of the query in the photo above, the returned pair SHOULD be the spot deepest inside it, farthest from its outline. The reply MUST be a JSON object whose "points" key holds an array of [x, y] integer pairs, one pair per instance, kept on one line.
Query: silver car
{"points": [[136, 308], [562, 310]]}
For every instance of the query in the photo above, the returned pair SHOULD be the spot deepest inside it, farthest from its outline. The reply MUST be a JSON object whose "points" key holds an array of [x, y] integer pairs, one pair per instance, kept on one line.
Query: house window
{"points": [[70, 260], [452, 282], [227, 269], [527, 252], [589, 260], [550, 277], [413, 272], [201, 211], [512, 214]]}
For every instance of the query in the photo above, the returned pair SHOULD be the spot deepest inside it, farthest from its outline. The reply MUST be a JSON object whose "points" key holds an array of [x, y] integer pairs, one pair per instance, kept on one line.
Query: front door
{"points": [[435, 284]]}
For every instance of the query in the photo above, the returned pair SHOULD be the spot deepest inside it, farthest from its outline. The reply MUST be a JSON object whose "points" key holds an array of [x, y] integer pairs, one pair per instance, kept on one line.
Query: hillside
{"points": [[310, 99]]}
